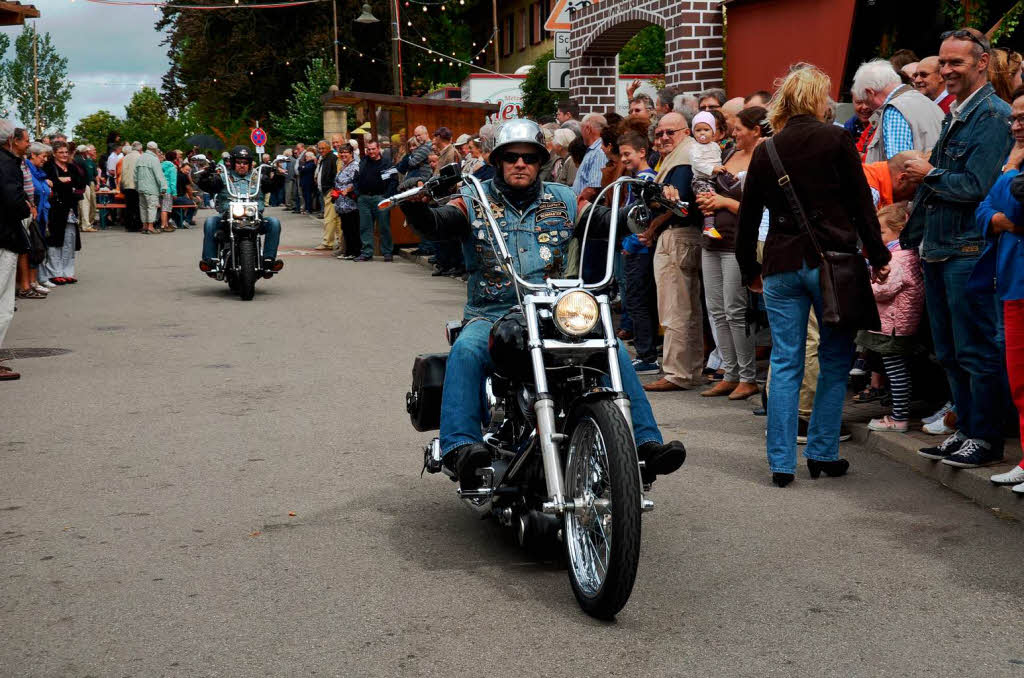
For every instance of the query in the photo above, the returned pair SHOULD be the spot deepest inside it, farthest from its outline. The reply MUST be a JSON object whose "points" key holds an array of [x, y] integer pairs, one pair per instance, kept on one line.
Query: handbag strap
{"points": [[787, 189]]}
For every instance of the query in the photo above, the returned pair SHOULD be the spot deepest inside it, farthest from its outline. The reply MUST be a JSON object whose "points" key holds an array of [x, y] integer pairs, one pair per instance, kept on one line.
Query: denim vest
{"points": [[241, 185], [967, 157], [536, 238]]}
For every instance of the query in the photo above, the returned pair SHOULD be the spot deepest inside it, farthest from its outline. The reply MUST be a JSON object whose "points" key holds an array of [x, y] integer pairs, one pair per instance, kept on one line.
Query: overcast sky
{"points": [[110, 51]]}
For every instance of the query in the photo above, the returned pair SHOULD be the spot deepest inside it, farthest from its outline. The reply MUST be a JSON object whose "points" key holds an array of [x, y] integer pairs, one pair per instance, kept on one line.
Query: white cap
{"points": [[200, 157], [151, 145]]}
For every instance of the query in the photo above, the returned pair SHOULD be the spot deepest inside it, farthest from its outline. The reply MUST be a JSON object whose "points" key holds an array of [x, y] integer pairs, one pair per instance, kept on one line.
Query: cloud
{"points": [[110, 51]]}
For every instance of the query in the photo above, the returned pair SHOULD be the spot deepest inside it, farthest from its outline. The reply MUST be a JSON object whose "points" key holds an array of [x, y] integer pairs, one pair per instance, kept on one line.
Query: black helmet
{"points": [[240, 153]]}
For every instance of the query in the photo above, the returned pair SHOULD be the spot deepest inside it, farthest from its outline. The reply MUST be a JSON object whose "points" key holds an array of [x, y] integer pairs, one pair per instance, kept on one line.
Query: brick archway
{"points": [[693, 45]]}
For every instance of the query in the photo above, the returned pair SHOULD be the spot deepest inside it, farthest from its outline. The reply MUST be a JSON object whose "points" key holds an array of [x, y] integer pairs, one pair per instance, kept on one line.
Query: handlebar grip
{"points": [[388, 203]]}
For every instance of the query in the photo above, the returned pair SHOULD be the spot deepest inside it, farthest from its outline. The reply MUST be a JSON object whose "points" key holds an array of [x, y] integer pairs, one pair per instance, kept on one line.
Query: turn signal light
{"points": [[204, 267]]}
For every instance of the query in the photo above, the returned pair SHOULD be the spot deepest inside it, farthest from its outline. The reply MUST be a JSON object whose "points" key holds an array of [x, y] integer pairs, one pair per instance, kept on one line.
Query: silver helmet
{"points": [[519, 132]]}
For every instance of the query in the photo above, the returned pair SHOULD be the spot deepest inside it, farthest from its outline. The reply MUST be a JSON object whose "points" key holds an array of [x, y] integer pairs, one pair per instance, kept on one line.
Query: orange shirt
{"points": [[878, 177]]}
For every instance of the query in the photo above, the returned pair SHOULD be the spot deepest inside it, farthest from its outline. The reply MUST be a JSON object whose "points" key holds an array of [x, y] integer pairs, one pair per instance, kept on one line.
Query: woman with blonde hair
{"points": [[1004, 73], [825, 172]]}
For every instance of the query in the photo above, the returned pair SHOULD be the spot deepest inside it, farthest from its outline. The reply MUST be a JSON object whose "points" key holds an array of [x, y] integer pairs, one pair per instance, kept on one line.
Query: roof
{"points": [[15, 13], [342, 98]]}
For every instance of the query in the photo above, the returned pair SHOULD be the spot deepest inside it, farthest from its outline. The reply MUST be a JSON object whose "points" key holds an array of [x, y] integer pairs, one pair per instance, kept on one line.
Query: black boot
{"points": [[464, 462], [660, 460], [833, 469], [782, 479]]}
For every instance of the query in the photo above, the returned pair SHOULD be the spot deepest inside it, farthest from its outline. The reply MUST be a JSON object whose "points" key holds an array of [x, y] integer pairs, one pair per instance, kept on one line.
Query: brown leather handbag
{"points": [[847, 300]]}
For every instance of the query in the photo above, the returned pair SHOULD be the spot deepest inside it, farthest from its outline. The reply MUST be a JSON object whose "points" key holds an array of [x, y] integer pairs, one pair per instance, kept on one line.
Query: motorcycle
{"points": [[564, 464], [240, 243]]}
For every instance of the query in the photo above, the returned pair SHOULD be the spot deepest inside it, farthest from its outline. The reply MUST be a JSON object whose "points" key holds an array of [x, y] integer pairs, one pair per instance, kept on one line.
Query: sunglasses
{"points": [[529, 158], [666, 132], [710, 107], [964, 34]]}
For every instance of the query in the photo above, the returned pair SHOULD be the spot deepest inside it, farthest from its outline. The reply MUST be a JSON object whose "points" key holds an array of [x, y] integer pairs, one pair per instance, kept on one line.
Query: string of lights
{"points": [[235, 5]]}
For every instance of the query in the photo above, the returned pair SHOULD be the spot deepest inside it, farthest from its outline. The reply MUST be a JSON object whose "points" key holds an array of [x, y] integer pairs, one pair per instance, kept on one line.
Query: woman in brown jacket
{"points": [[825, 170]]}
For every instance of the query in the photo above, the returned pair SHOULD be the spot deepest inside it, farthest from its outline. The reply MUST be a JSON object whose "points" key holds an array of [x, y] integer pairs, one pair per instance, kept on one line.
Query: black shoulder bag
{"points": [[847, 300]]}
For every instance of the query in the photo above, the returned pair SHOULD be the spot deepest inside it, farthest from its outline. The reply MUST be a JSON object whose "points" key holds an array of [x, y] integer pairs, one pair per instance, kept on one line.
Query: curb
{"points": [[408, 256]]}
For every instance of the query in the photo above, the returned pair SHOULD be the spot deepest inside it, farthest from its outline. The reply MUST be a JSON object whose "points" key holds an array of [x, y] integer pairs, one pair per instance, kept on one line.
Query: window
{"points": [[536, 24], [523, 31], [507, 34], [545, 12]]}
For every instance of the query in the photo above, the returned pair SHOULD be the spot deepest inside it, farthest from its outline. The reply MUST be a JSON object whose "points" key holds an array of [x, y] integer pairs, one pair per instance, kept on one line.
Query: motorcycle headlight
{"points": [[237, 210], [250, 211], [576, 313]]}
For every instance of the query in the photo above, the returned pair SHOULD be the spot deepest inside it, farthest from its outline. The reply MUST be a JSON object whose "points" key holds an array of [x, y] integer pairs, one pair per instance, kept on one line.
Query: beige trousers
{"points": [[332, 224], [87, 207], [677, 275]]}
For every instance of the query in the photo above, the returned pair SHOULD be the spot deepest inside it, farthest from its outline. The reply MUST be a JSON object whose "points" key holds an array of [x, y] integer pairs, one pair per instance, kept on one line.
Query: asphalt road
{"points": [[149, 476]]}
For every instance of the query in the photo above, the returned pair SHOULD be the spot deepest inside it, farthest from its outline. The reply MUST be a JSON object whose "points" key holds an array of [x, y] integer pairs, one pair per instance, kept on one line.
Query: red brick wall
{"points": [[693, 45]]}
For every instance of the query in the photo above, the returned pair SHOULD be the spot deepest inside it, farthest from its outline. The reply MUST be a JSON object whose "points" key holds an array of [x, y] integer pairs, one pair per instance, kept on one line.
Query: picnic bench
{"points": [[103, 203]]}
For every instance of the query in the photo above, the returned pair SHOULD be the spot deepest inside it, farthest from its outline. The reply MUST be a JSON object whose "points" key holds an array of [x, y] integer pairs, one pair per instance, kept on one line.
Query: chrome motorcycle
{"points": [[239, 242], [564, 464]]}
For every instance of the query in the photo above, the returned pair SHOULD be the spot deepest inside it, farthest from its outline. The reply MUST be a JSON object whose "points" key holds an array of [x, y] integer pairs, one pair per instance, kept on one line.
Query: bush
{"points": [[538, 100]]}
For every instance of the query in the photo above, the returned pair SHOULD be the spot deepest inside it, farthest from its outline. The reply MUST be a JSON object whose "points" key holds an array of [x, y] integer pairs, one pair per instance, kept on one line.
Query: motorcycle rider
{"points": [[538, 219], [238, 170]]}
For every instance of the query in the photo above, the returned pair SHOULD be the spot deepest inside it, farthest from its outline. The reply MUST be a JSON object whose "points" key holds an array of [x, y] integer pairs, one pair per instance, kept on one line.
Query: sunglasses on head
{"points": [[530, 158], [964, 34]]}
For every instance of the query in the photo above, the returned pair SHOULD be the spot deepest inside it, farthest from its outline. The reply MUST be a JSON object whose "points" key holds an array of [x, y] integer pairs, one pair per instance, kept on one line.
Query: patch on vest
{"points": [[552, 209]]}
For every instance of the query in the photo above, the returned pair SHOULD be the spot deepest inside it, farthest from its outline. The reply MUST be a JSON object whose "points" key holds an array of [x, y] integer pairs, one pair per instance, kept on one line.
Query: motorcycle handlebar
{"points": [[438, 185]]}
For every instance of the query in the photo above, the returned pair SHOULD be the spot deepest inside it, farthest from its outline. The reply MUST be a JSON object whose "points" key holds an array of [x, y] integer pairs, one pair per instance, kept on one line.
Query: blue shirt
{"points": [[896, 133], [589, 174], [1003, 258]]}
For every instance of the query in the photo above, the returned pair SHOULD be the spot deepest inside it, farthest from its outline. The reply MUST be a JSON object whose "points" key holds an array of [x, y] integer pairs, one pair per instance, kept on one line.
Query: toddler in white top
{"points": [[704, 158]]}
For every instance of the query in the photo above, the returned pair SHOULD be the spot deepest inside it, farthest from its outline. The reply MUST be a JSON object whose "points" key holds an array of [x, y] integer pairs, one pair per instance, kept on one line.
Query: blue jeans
{"points": [[462, 401], [963, 328], [789, 297], [271, 230], [368, 212]]}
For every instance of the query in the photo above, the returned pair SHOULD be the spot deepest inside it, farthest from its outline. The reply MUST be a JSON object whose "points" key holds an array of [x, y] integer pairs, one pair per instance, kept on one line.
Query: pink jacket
{"points": [[900, 298]]}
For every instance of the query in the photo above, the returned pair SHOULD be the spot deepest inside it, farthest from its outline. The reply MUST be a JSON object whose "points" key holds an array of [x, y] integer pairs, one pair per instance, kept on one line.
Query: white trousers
{"points": [[8, 273], [60, 261]]}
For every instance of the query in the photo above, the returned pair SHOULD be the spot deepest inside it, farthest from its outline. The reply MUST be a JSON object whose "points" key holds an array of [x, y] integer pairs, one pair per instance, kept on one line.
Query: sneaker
{"points": [[712, 232], [1014, 476], [42, 289], [1018, 489], [972, 454], [939, 427], [363, 257], [948, 447], [887, 423], [938, 415], [47, 283], [645, 367], [804, 424], [860, 368]]}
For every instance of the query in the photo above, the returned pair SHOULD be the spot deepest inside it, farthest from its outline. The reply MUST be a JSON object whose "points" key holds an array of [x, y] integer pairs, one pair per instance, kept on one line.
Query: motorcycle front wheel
{"points": [[247, 272], [602, 533]]}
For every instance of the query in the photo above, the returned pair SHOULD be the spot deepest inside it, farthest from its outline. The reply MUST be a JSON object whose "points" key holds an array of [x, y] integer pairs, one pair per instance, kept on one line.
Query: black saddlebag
{"points": [[423, 402]]}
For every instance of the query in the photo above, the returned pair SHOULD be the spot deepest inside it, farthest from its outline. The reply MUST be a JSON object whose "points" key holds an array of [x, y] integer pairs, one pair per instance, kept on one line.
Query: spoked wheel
{"points": [[602, 534], [247, 273]]}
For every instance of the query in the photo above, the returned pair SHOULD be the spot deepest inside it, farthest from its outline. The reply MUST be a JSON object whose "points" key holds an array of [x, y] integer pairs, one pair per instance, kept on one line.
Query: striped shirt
{"points": [[589, 174], [26, 175]]}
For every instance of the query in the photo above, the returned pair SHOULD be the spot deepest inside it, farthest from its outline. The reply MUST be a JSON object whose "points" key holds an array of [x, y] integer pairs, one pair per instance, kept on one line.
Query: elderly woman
{"points": [[345, 203], [723, 286], [62, 236], [825, 172], [564, 168], [36, 156], [307, 169]]}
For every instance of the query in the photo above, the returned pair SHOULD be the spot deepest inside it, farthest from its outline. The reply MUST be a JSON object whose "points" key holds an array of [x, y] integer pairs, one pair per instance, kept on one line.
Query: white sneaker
{"points": [[938, 427], [1011, 477], [1018, 489], [41, 289], [938, 415], [47, 283]]}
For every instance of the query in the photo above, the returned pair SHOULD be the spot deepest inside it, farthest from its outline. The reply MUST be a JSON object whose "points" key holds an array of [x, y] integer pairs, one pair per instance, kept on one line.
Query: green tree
{"points": [[147, 119], [645, 52], [303, 119], [54, 86], [94, 129], [538, 100]]}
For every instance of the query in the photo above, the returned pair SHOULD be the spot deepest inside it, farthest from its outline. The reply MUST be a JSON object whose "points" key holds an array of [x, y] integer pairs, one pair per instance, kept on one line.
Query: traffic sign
{"points": [[562, 45], [558, 76], [258, 137], [561, 14]]}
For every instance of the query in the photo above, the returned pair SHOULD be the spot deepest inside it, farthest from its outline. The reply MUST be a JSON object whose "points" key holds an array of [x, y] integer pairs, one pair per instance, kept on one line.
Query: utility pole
{"points": [[35, 80], [497, 36], [396, 49], [337, 69]]}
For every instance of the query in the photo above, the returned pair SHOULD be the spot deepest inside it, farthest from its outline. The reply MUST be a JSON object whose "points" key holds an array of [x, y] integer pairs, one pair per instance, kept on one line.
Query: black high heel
{"points": [[833, 469], [782, 479]]}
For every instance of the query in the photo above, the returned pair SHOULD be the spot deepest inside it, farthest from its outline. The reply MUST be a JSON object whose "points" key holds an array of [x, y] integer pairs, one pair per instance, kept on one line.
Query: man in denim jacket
{"points": [[965, 162], [537, 220]]}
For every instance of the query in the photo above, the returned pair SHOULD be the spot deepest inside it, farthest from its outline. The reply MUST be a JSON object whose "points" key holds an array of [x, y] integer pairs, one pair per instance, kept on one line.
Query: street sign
{"points": [[558, 76], [562, 45], [561, 14], [258, 137]]}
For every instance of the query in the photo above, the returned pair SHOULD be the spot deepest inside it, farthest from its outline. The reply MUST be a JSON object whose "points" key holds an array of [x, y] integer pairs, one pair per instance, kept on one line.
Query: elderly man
{"points": [[326, 173], [86, 161], [14, 207], [929, 82], [446, 152], [909, 120], [151, 184], [289, 178], [588, 178], [377, 179], [297, 207], [131, 196], [522, 205], [415, 165], [677, 264], [974, 143], [641, 107]]}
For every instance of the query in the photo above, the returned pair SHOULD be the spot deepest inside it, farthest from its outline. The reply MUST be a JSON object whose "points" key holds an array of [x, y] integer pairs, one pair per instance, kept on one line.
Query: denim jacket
{"points": [[967, 158]]}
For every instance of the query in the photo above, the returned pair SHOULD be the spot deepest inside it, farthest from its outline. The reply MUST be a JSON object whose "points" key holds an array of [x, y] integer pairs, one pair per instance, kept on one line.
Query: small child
{"points": [[900, 302], [704, 158]]}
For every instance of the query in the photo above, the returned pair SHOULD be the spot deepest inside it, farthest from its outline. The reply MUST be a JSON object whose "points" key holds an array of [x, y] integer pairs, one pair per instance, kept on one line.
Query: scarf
{"points": [[42, 191], [679, 156], [521, 198]]}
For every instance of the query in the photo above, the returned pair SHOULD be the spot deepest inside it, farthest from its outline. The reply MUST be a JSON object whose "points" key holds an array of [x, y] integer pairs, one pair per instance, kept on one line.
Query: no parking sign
{"points": [[258, 138]]}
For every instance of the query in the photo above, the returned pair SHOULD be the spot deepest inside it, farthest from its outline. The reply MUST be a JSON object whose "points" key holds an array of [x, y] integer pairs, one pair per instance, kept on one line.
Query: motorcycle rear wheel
{"points": [[247, 273], [602, 536]]}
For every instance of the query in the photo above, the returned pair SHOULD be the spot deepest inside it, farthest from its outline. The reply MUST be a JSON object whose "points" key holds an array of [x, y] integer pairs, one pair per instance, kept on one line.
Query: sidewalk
{"points": [[902, 447]]}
